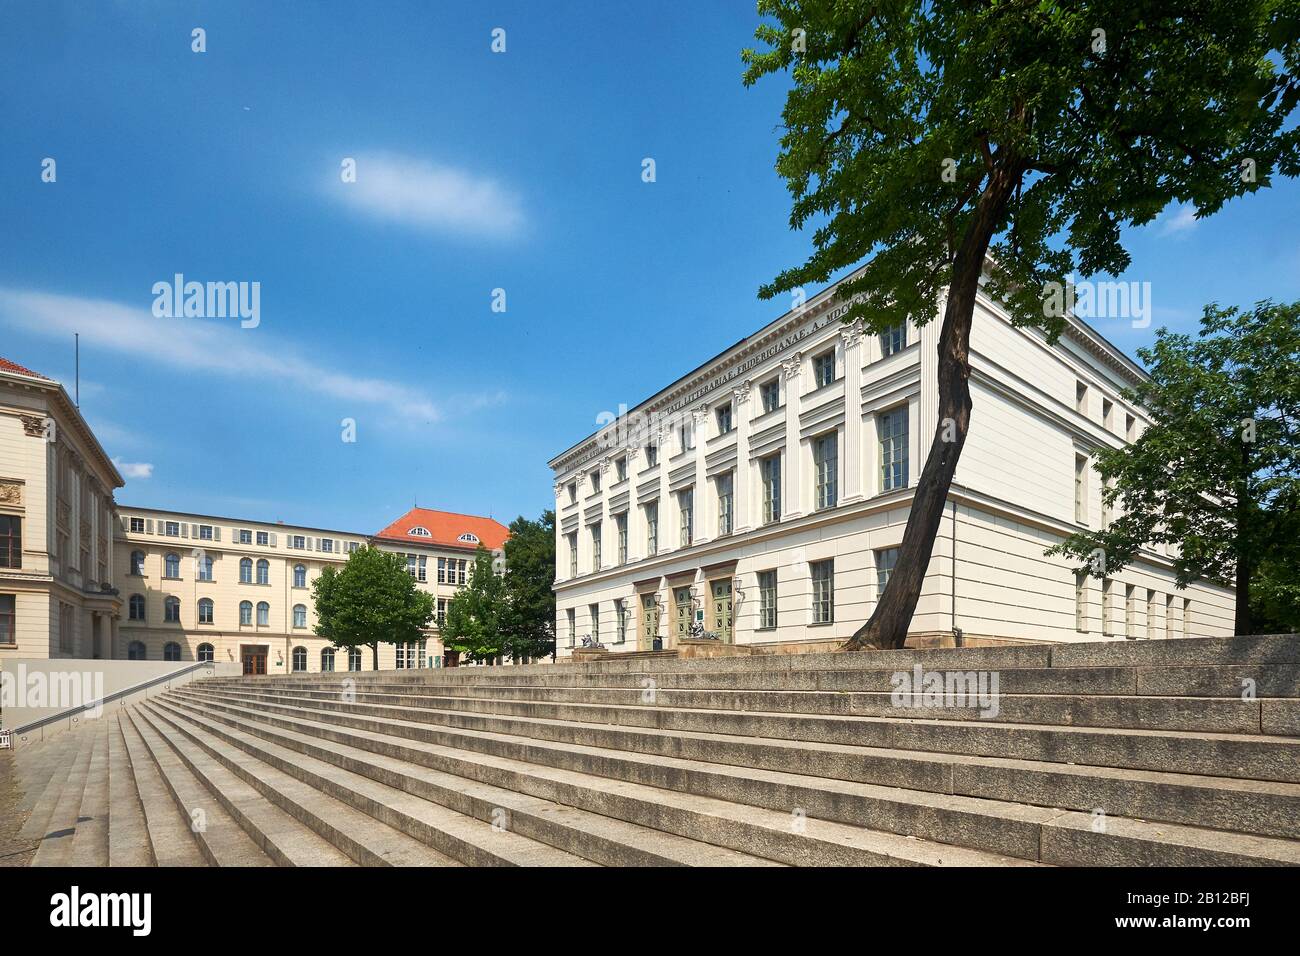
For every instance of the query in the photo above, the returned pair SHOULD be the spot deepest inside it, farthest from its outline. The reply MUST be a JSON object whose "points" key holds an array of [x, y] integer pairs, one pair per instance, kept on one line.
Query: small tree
{"points": [[369, 601], [476, 615], [529, 621], [951, 146], [1218, 472]]}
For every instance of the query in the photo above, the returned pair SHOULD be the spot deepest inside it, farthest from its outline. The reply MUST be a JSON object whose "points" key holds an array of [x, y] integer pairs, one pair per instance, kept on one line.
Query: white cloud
{"points": [[415, 192], [134, 469], [1181, 219], [204, 345]]}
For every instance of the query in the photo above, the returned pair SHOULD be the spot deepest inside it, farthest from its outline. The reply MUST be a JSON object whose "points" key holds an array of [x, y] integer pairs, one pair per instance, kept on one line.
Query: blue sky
{"points": [[475, 171]]}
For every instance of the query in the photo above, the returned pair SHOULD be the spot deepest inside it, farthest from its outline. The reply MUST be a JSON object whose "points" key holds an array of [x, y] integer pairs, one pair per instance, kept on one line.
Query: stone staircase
{"points": [[1123, 753]]}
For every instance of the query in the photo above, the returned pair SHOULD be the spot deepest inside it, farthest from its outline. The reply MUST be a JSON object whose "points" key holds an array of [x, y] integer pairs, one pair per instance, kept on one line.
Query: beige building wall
{"points": [[1038, 409], [56, 597]]}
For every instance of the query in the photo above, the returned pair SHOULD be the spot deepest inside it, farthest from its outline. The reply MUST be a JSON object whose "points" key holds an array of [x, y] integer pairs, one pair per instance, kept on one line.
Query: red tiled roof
{"points": [[445, 529], [8, 366]]}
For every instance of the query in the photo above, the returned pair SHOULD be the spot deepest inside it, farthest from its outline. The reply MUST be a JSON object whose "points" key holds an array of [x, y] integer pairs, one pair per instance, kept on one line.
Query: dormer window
{"points": [[468, 538], [419, 532]]}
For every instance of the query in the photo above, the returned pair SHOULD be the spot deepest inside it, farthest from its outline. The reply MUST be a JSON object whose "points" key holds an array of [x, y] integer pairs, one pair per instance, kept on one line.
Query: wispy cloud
{"points": [[204, 345], [1178, 220], [134, 469], [416, 192]]}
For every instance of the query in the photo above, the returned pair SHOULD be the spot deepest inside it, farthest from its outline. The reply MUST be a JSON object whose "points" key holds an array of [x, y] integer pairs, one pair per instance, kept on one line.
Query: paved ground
{"points": [[11, 817]]}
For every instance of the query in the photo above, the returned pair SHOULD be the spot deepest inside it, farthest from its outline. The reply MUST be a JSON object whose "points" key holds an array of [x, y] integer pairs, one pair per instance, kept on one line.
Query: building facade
{"points": [[763, 497], [56, 518], [197, 587]]}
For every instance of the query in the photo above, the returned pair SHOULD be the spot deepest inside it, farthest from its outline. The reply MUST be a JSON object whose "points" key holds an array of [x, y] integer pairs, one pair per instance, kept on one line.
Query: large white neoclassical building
{"points": [[763, 496]]}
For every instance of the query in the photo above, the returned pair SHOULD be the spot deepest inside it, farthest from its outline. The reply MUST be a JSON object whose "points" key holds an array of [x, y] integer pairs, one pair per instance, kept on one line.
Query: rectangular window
{"points": [[327, 546], [1081, 398], [1081, 601], [824, 369], [652, 529], [770, 468], [410, 565], [460, 572], [826, 463], [172, 529], [595, 547], [1080, 489], [1130, 428], [620, 469], [442, 570], [573, 555], [620, 621], [593, 611], [651, 455], [11, 541], [620, 524], [422, 574], [886, 559], [1106, 408], [1130, 612], [686, 435], [770, 395], [1106, 588], [245, 536], [205, 532], [442, 612], [263, 537], [8, 619], [766, 600], [595, 481], [725, 498], [724, 419], [686, 507], [573, 625], [298, 542], [823, 591], [1151, 614], [893, 449], [137, 525], [573, 492], [893, 339]]}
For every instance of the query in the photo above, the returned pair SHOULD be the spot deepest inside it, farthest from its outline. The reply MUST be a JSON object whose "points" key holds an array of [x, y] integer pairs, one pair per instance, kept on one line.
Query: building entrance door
{"points": [[682, 607], [649, 623], [254, 658], [721, 622]]}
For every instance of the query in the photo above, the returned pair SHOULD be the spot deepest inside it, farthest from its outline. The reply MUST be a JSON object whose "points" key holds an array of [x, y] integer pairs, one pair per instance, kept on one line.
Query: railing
{"points": [[108, 698]]}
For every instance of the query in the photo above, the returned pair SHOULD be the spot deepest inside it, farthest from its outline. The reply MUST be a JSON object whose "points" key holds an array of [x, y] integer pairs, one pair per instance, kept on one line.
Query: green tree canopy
{"points": [[529, 580], [475, 623], [1008, 142], [370, 600], [1217, 474]]}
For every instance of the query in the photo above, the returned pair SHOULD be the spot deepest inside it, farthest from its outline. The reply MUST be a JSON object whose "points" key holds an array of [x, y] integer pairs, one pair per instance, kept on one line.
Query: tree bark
{"points": [[374, 655], [1241, 624], [887, 626]]}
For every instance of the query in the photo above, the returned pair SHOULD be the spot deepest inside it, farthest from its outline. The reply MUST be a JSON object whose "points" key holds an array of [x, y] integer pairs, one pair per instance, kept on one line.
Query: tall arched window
{"points": [[300, 575], [172, 566], [263, 571], [136, 605], [245, 570], [204, 566], [263, 614], [300, 659], [135, 651], [206, 653], [354, 658], [300, 615], [245, 612], [137, 562], [171, 651], [172, 610], [205, 610], [327, 660]]}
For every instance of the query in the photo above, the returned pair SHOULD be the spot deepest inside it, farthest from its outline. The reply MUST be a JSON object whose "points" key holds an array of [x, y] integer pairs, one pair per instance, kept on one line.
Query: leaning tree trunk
{"points": [[887, 626], [374, 655]]}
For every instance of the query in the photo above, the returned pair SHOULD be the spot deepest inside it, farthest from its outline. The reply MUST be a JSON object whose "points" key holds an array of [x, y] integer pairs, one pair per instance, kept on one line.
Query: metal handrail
{"points": [[99, 702]]}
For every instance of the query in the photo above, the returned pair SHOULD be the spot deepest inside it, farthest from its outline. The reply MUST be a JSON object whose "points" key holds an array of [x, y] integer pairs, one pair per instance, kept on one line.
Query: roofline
{"points": [[1082, 330], [227, 518], [74, 413]]}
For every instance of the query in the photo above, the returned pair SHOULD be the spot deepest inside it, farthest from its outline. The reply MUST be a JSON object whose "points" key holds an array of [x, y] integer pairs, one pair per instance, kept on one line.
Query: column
{"points": [[705, 518], [792, 498], [852, 456], [742, 519], [607, 542], [665, 515]]}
